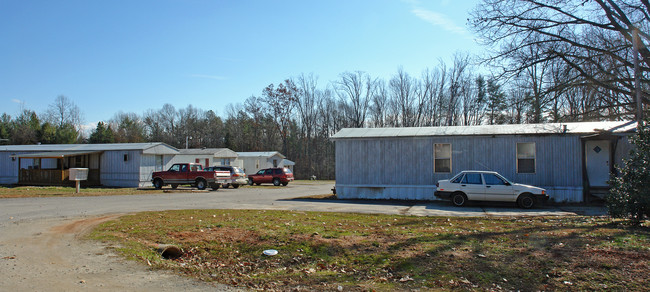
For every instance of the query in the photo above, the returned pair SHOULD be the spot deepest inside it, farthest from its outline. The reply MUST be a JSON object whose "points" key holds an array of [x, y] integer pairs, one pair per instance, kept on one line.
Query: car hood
{"points": [[523, 187]]}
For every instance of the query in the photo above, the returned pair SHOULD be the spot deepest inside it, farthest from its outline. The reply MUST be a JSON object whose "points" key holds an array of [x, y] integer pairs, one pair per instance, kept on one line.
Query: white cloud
{"points": [[440, 20], [16, 100], [215, 77]]}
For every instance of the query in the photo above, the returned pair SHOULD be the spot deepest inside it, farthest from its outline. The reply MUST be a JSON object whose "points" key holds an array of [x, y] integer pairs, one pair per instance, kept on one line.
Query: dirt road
{"points": [[46, 255]]}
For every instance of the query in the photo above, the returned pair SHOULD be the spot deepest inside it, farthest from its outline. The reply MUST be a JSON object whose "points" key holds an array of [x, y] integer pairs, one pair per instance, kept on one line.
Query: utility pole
{"points": [[637, 77]]}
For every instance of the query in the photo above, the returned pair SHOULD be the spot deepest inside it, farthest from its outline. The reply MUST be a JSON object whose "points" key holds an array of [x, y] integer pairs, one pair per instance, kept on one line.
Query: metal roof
{"points": [[518, 129], [217, 152], [91, 147], [54, 154], [260, 154]]}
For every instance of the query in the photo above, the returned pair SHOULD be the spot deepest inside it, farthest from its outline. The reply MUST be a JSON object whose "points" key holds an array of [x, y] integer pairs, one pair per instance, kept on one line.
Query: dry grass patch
{"points": [[322, 251], [48, 191]]}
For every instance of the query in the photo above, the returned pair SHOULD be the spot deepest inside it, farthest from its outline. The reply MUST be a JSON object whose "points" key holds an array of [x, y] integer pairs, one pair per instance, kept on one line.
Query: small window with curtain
{"points": [[525, 157], [442, 158]]}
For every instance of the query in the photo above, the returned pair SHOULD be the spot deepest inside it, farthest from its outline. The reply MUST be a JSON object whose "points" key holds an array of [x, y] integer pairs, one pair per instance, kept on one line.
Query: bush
{"points": [[630, 192]]}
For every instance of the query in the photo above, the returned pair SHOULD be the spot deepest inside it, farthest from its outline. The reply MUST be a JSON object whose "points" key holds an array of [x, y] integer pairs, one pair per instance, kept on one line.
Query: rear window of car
{"points": [[286, 170], [472, 178]]}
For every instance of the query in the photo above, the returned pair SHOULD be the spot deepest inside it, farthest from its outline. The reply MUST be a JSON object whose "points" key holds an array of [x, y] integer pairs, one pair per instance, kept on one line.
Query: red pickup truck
{"points": [[189, 174]]}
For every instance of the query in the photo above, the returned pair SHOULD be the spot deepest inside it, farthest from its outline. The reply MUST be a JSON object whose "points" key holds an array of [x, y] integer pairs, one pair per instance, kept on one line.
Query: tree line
{"points": [[562, 61]]}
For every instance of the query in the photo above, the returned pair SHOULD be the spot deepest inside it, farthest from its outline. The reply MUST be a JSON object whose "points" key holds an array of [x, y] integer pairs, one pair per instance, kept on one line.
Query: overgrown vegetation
{"points": [[630, 193], [325, 251]]}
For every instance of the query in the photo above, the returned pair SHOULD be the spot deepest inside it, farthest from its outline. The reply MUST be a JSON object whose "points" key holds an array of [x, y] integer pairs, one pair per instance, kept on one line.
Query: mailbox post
{"points": [[78, 174]]}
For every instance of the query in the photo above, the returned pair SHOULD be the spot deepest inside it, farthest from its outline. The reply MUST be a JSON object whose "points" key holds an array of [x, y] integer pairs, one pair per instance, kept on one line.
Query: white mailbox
{"points": [[78, 174]]}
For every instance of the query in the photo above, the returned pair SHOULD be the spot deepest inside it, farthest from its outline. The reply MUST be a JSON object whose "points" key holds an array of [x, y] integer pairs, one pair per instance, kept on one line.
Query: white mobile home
{"points": [[206, 156], [251, 162], [573, 161], [114, 165]]}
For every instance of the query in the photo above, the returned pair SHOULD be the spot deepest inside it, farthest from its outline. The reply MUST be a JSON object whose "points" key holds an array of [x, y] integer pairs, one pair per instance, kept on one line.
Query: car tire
{"points": [[250, 182], [276, 182], [285, 184], [174, 186], [235, 186], [201, 184], [225, 186], [526, 201], [158, 183], [458, 199], [215, 186]]}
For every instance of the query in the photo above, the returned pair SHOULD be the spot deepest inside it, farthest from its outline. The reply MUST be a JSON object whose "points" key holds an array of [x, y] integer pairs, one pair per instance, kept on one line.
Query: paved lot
{"points": [[263, 197], [40, 250]]}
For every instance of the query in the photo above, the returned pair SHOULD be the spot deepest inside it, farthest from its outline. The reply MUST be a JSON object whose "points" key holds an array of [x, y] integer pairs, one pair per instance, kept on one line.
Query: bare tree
{"points": [[355, 91], [593, 38]]}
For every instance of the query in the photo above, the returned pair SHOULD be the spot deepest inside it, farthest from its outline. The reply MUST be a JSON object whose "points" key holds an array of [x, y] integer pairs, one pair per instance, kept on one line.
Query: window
{"points": [[525, 157], [472, 179], [225, 161], [458, 179], [126, 157], [442, 158], [275, 163], [493, 180]]}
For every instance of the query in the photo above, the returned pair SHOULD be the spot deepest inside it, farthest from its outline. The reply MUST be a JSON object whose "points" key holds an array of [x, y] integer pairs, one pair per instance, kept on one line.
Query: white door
{"points": [[597, 162], [496, 189]]}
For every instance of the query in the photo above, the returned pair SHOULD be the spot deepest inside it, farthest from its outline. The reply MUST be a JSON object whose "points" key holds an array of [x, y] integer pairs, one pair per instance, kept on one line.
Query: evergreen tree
{"points": [[102, 134], [630, 193]]}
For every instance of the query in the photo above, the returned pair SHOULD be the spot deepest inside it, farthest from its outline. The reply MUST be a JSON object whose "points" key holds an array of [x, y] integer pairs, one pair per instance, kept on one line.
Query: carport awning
{"points": [[60, 154]]}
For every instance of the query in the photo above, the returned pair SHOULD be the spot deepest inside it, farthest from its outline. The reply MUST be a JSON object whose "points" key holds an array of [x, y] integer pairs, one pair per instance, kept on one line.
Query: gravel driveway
{"points": [[39, 249]]}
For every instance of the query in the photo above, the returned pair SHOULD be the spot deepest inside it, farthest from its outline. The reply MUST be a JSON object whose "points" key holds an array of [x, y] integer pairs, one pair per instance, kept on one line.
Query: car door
{"points": [[497, 188], [268, 176], [473, 187]]}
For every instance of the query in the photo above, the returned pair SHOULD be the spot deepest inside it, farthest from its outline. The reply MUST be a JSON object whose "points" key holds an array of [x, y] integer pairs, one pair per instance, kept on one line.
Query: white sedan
{"points": [[474, 185]]}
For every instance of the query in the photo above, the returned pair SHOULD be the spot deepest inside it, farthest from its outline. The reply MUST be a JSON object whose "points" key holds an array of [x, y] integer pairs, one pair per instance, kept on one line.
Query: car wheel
{"points": [[459, 199], [215, 186], [225, 186], [158, 183], [174, 186], [257, 184], [200, 184], [526, 201], [276, 182], [285, 184], [250, 182], [235, 186]]}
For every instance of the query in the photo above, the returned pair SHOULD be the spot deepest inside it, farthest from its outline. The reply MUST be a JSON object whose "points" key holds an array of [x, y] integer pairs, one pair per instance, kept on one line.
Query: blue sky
{"points": [[119, 55]]}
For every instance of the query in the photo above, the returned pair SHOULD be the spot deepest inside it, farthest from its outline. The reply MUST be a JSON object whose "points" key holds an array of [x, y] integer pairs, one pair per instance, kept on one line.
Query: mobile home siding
{"points": [[402, 168], [115, 172], [9, 168]]}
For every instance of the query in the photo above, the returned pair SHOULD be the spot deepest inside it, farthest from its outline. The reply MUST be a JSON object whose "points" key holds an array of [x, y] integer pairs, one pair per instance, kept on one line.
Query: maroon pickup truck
{"points": [[189, 174]]}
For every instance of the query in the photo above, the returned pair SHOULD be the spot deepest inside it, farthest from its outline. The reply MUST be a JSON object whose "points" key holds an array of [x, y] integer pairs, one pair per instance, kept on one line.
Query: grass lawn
{"points": [[34, 191], [322, 251]]}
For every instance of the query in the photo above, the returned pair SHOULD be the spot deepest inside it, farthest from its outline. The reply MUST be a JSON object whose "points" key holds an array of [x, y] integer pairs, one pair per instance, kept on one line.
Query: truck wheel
{"points": [[200, 184], [276, 182], [158, 183], [235, 186], [174, 186], [526, 201], [458, 199], [215, 186]]}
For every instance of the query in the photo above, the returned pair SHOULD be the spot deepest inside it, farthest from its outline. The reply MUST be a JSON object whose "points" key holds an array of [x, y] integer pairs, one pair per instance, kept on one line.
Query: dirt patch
{"points": [[46, 255]]}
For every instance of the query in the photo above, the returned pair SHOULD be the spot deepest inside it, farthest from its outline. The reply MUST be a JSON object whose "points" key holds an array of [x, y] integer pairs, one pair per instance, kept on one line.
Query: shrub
{"points": [[630, 192]]}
